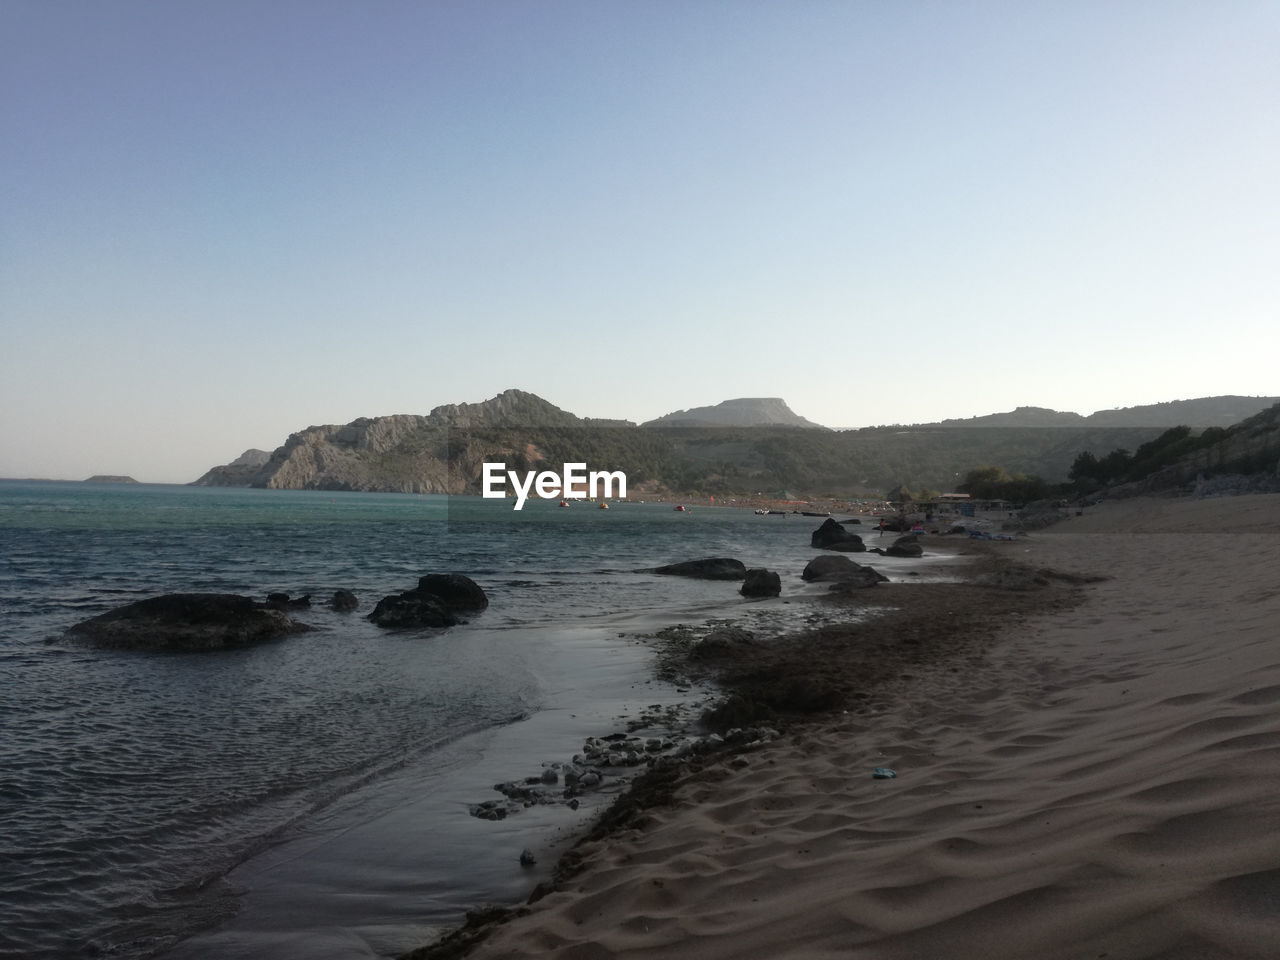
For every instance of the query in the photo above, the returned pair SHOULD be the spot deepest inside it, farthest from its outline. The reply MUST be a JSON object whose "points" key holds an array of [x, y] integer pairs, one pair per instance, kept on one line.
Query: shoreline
{"points": [[1084, 779], [869, 619]]}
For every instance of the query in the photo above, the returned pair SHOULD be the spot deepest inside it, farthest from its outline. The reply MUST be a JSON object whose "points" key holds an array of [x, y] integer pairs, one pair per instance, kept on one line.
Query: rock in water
{"points": [[454, 590], [344, 600], [713, 568], [832, 536], [435, 602], [761, 583], [842, 570], [186, 622]]}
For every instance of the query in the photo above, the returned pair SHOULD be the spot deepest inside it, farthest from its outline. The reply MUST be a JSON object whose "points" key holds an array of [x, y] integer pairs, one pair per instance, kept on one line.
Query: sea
{"points": [[312, 797]]}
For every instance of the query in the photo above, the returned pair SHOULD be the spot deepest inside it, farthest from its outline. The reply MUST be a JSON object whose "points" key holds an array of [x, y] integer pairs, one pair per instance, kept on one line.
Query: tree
{"points": [[1085, 467]]}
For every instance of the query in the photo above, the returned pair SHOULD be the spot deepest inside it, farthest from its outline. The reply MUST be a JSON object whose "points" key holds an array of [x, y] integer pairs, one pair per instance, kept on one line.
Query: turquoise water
{"points": [[132, 786]]}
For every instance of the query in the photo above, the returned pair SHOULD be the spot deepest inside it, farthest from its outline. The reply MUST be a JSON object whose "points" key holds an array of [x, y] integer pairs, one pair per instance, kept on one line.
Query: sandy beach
{"points": [[1085, 778]]}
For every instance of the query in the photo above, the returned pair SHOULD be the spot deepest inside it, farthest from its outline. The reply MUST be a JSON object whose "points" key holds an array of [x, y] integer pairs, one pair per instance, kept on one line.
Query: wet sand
{"points": [[1084, 769]]}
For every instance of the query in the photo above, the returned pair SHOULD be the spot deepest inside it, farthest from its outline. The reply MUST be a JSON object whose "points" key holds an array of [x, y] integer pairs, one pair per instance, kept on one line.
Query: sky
{"points": [[223, 221]]}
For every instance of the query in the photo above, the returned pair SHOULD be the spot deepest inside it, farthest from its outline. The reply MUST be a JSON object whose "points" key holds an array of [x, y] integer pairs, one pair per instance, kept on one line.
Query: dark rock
{"points": [[761, 583], [908, 546], [412, 609], [344, 600], [282, 601], [188, 622], [714, 568], [454, 590], [843, 571], [851, 545], [833, 536], [828, 568], [859, 579], [435, 602]]}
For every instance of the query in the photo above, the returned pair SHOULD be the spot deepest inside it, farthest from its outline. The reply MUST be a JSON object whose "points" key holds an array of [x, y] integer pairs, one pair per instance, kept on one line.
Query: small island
{"points": [[109, 478]]}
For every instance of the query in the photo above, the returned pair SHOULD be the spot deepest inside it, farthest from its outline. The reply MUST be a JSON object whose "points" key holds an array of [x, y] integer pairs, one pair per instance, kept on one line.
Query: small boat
{"points": [[603, 505], [680, 508], [564, 503]]}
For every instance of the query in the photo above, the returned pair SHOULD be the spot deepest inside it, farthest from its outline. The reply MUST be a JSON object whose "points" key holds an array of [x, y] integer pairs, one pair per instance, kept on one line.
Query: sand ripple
{"points": [[1103, 784]]}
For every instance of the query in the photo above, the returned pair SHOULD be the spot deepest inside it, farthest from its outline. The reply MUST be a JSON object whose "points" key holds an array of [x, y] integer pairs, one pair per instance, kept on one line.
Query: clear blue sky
{"points": [[223, 221]]}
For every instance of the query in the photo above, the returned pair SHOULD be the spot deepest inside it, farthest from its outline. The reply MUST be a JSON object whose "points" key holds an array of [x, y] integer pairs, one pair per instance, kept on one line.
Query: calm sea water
{"points": [[146, 797]]}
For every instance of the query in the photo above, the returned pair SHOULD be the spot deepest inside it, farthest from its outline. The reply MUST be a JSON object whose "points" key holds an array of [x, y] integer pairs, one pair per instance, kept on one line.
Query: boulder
{"points": [[411, 609], [436, 601], [713, 568], [908, 546], [186, 622], [344, 600], [761, 583], [858, 580], [282, 601], [841, 570], [832, 536], [454, 590]]}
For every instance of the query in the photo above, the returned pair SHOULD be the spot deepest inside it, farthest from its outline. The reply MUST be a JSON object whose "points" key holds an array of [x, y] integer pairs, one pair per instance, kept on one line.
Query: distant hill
{"points": [[1241, 458], [109, 478], [1197, 414], [744, 412], [442, 452]]}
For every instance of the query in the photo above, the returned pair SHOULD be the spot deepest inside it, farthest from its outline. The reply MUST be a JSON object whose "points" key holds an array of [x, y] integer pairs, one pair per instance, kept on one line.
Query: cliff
{"points": [[441, 452]]}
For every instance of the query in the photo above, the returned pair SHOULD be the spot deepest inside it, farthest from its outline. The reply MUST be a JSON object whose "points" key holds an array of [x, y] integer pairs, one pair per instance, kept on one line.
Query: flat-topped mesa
{"points": [[742, 412]]}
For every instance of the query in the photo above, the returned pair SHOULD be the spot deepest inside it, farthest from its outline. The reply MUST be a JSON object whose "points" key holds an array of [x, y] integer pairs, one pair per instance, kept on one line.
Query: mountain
{"points": [[744, 412], [443, 452], [1197, 414]]}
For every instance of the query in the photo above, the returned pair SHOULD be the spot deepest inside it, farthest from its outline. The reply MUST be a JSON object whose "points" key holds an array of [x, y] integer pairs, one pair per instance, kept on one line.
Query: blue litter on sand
{"points": [[883, 773]]}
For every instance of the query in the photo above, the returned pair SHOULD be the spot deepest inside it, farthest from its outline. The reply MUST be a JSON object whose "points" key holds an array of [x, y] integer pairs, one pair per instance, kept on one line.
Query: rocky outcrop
{"points": [[908, 546], [714, 568], [240, 472], [344, 600], [436, 602], [832, 536], [186, 622], [761, 583], [841, 571], [441, 452]]}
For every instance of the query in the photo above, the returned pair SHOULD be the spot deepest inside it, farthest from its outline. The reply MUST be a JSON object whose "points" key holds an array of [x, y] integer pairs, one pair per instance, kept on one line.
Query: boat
{"points": [[564, 503], [603, 504], [680, 508]]}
